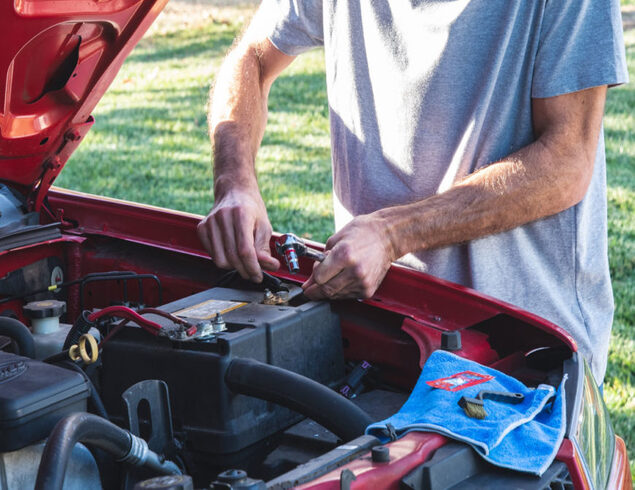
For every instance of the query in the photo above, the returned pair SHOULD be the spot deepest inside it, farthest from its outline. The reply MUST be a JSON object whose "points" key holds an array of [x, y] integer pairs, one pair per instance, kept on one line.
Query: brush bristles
{"points": [[475, 411], [473, 407]]}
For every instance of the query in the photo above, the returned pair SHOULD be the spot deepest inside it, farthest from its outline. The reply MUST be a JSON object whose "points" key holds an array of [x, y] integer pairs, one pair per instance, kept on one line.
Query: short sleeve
{"points": [[581, 46], [294, 26]]}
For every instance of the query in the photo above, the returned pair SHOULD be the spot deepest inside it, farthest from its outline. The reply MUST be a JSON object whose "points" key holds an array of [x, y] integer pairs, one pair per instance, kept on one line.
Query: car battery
{"points": [[305, 339]]}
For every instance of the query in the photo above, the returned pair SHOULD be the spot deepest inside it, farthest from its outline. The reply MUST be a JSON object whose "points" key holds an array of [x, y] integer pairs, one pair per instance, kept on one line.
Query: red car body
{"points": [[57, 60]]}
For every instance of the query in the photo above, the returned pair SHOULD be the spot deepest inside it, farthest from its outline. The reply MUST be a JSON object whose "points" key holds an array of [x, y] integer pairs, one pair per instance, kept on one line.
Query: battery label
{"points": [[208, 309]]}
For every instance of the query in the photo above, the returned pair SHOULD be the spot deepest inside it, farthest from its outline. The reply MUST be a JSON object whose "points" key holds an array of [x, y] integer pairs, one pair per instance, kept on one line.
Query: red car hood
{"points": [[58, 57]]}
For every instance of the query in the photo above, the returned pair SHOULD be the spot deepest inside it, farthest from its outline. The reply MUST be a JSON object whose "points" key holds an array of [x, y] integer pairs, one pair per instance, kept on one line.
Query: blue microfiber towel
{"points": [[523, 437]]}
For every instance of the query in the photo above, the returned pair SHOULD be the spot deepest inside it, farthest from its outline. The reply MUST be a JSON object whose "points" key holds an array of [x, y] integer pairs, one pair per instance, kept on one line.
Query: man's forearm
{"points": [[526, 186], [237, 118], [237, 230], [541, 179]]}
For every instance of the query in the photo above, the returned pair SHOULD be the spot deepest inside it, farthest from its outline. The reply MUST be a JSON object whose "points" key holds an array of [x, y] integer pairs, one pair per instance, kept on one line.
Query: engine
{"points": [[142, 364], [217, 380]]}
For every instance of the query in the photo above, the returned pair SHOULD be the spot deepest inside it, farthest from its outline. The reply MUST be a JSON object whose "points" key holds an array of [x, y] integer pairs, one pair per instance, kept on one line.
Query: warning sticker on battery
{"points": [[208, 309]]}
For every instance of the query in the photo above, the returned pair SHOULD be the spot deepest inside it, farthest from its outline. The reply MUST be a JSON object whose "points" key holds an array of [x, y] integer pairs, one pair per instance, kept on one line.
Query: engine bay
{"points": [[126, 354], [234, 383]]}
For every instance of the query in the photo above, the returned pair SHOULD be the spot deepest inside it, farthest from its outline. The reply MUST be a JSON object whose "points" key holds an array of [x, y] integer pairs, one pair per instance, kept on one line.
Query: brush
{"points": [[475, 408]]}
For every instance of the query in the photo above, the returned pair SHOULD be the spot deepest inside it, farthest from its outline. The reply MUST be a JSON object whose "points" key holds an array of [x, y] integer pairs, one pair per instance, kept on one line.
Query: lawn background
{"points": [[149, 144]]}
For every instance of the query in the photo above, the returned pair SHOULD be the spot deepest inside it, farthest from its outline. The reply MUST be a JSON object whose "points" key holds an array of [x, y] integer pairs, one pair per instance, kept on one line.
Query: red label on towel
{"points": [[460, 381]]}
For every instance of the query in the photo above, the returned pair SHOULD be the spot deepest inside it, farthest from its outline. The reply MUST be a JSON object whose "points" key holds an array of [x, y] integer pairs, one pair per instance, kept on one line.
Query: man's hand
{"points": [[236, 234], [357, 259]]}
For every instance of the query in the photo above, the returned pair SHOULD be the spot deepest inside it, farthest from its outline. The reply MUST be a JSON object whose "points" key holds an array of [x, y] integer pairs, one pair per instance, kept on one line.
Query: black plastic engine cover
{"points": [[304, 339], [34, 396]]}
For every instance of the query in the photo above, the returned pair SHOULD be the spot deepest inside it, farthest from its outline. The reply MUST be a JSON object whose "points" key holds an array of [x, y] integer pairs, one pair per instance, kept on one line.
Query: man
{"points": [[466, 142]]}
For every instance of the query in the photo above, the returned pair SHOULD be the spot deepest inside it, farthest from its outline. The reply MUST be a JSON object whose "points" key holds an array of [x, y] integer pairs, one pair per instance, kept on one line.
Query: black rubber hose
{"points": [[18, 332], [299, 393], [81, 326], [78, 427], [95, 400]]}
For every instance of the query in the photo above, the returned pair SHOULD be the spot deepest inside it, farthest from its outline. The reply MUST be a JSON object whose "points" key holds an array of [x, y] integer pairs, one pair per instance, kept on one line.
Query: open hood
{"points": [[58, 57]]}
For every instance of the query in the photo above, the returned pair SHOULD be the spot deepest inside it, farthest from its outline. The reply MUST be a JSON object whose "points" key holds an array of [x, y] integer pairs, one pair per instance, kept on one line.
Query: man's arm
{"points": [[543, 178], [237, 230]]}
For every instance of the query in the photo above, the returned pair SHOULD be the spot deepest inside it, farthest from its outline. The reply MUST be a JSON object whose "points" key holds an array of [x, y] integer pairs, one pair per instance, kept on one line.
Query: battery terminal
{"points": [[209, 329], [279, 298]]}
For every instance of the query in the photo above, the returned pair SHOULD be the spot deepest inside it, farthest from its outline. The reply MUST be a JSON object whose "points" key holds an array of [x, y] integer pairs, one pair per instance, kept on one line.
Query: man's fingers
{"points": [[263, 251], [314, 292], [218, 248], [312, 289], [226, 226], [210, 236], [327, 277], [343, 285], [267, 261], [236, 232], [204, 235], [246, 251], [337, 286], [336, 260], [334, 239], [309, 282]]}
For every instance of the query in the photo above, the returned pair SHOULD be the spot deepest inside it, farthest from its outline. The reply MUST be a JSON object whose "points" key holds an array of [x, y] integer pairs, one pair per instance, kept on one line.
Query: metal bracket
{"points": [[156, 393]]}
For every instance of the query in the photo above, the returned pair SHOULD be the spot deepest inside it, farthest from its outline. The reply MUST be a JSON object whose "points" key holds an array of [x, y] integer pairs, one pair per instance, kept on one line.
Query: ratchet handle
{"points": [[314, 254], [501, 396]]}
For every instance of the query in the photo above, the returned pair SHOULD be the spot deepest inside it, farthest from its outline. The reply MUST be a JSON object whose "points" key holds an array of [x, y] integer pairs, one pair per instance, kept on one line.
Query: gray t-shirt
{"points": [[423, 92]]}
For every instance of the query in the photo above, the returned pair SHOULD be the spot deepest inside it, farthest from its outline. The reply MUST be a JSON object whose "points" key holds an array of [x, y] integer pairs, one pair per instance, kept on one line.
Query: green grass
{"points": [[150, 145], [620, 149]]}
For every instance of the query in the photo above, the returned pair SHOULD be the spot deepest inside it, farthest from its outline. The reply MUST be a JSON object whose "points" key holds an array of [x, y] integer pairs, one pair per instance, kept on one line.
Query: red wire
{"points": [[113, 332], [129, 314], [164, 314]]}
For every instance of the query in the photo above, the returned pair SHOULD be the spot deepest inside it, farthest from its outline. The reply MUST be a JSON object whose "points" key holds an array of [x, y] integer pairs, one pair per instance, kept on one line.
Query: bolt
{"points": [[232, 476], [218, 325], [73, 135]]}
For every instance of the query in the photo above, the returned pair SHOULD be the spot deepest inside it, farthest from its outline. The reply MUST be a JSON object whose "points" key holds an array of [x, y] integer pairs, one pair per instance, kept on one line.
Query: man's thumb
{"points": [[267, 261]]}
